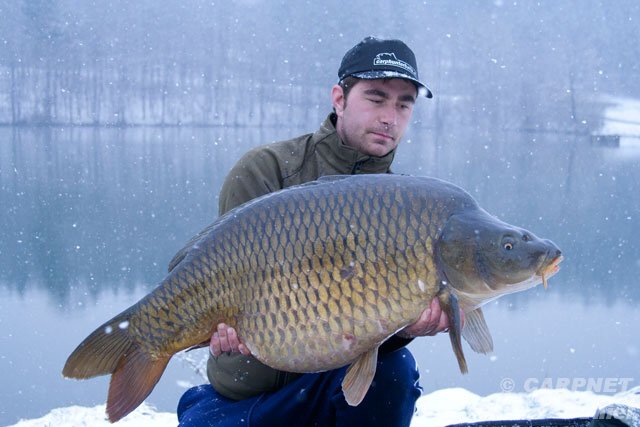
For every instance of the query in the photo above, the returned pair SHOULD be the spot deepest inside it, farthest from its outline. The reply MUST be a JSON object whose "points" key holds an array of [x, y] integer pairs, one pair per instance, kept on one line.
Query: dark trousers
{"points": [[313, 400]]}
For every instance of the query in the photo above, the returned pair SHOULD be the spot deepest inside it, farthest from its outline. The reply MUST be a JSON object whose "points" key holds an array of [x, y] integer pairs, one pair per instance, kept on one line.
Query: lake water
{"points": [[91, 217]]}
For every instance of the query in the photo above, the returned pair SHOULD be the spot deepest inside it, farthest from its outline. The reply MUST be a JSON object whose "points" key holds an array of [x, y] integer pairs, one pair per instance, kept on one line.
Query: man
{"points": [[373, 103]]}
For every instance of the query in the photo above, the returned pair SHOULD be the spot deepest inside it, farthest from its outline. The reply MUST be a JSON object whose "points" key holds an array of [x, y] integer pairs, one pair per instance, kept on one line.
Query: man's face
{"points": [[376, 115]]}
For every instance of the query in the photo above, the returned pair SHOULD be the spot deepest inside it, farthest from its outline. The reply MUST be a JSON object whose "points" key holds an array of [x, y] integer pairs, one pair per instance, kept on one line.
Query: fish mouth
{"points": [[550, 269]]}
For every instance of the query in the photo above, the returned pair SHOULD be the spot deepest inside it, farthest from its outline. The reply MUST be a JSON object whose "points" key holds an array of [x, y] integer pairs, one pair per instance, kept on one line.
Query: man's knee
{"points": [[398, 371], [390, 401], [192, 397], [202, 406]]}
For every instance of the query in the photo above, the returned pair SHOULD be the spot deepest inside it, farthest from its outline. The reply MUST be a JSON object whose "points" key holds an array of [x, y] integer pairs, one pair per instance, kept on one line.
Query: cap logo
{"points": [[386, 59]]}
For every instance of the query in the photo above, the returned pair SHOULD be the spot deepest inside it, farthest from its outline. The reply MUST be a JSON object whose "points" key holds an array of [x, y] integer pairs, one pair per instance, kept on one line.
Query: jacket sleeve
{"points": [[394, 343], [257, 173]]}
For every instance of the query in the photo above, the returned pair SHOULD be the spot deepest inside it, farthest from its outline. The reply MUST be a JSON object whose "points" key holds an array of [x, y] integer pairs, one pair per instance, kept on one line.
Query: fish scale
{"points": [[327, 310], [316, 277]]}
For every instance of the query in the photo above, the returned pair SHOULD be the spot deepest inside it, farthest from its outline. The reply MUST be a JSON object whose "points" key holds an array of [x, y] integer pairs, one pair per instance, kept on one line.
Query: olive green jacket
{"points": [[270, 168], [283, 164]]}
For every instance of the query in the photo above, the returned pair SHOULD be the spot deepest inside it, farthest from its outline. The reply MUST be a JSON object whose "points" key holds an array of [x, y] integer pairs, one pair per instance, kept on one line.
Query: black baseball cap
{"points": [[375, 58]]}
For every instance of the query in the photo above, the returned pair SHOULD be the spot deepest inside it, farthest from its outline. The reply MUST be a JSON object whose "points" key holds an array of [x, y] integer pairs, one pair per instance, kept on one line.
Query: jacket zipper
{"points": [[356, 168]]}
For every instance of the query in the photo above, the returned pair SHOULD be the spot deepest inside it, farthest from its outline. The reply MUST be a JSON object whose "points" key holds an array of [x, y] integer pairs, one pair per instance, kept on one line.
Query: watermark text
{"points": [[592, 384]]}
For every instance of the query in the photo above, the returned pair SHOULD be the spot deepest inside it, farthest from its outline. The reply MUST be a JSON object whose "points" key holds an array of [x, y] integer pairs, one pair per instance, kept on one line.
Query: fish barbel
{"points": [[316, 277]]}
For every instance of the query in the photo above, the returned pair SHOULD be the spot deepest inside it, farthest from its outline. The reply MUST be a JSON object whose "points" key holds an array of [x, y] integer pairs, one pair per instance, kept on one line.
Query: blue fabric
{"points": [[313, 400]]}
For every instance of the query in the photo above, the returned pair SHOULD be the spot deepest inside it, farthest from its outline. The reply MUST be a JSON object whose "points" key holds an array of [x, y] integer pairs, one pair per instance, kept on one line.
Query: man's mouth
{"points": [[383, 135]]}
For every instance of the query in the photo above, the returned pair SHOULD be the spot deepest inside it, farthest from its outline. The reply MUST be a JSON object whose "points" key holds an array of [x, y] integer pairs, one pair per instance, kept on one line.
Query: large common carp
{"points": [[316, 277]]}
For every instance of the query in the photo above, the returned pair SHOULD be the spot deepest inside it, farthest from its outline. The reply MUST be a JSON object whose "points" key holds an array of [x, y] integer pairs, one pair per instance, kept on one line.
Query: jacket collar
{"points": [[346, 159]]}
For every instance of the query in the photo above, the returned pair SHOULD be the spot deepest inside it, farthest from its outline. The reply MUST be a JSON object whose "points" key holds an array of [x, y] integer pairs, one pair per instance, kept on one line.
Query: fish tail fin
{"points": [[110, 350], [136, 375], [449, 304], [100, 352]]}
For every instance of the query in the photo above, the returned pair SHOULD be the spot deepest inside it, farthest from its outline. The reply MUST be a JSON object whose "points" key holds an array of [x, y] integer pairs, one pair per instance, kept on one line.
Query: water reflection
{"points": [[109, 208], [88, 214], [106, 208]]}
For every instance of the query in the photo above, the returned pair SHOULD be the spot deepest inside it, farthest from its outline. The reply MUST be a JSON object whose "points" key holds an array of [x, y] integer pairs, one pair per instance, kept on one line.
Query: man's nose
{"points": [[388, 116]]}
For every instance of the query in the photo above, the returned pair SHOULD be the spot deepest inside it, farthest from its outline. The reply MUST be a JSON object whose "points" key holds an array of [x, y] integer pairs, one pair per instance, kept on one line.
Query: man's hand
{"points": [[432, 321], [225, 340]]}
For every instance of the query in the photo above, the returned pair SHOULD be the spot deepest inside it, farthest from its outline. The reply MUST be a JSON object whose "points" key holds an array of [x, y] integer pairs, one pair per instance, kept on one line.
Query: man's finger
{"points": [[431, 320], [214, 345], [232, 336], [224, 339], [435, 312], [244, 350]]}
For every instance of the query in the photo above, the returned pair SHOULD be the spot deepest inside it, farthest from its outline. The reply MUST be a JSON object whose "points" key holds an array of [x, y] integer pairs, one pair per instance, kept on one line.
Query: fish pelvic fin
{"points": [[359, 376], [136, 375], [449, 304], [476, 332]]}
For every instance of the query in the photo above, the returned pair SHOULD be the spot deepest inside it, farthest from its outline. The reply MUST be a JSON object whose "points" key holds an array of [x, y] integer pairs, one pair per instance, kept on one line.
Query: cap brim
{"points": [[423, 90]]}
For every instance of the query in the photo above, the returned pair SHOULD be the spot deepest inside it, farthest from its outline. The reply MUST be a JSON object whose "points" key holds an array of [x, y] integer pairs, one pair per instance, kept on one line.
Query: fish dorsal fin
{"points": [[359, 376], [179, 256], [476, 332], [333, 178]]}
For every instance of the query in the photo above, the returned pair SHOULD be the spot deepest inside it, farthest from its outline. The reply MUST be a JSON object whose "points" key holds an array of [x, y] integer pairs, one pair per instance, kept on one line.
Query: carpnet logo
{"points": [[386, 59], [595, 385]]}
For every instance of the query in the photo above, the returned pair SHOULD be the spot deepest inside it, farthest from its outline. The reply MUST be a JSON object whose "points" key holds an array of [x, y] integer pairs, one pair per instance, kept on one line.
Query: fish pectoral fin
{"points": [[359, 376], [134, 378], [476, 332], [449, 304]]}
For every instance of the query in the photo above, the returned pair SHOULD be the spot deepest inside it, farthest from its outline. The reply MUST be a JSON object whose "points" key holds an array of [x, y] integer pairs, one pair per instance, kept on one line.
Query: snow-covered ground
{"points": [[440, 408], [455, 405], [622, 118]]}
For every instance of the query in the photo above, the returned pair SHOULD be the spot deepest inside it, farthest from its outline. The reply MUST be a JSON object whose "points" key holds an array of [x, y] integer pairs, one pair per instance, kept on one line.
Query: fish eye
{"points": [[508, 243]]}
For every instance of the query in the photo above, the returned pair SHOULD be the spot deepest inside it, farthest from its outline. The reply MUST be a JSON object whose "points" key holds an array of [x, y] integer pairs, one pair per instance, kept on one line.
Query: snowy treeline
{"points": [[516, 65], [164, 95]]}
